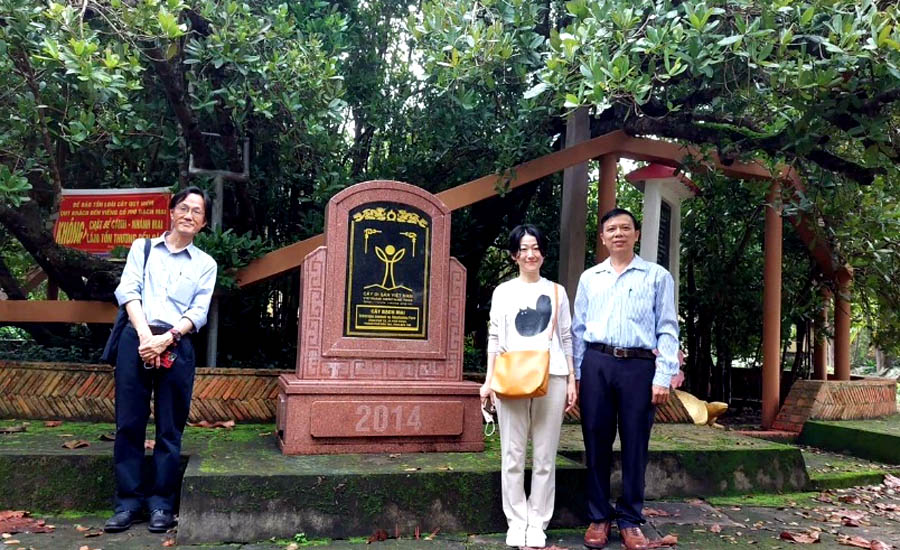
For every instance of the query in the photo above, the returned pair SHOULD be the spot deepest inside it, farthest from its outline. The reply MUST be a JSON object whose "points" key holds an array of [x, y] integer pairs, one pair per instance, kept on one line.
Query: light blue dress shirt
{"points": [[177, 284], [634, 309]]}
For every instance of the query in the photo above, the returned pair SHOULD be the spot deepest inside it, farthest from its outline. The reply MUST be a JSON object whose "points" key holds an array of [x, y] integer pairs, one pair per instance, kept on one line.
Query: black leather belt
{"points": [[622, 353]]}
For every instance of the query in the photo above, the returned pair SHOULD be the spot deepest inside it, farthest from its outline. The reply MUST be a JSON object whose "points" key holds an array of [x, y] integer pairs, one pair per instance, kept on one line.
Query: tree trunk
{"points": [[80, 275]]}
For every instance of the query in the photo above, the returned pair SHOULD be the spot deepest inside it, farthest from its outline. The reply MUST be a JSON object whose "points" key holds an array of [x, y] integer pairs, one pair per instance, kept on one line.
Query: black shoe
{"points": [[161, 521], [121, 521]]}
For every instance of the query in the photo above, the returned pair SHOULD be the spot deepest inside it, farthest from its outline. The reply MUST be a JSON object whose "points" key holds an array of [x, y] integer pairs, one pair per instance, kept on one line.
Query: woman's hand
{"points": [[571, 394], [487, 395]]}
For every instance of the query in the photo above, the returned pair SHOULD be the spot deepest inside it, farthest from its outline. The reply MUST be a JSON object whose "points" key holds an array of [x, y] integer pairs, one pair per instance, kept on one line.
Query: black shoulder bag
{"points": [[111, 350]]}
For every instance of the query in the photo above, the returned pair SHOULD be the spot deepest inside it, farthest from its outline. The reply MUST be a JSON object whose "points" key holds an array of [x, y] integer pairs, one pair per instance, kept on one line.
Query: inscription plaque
{"points": [[385, 418], [388, 262]]}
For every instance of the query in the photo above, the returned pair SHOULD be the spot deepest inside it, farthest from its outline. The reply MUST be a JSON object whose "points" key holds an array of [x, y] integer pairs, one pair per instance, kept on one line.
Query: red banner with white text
{"points": [[98, 220]]}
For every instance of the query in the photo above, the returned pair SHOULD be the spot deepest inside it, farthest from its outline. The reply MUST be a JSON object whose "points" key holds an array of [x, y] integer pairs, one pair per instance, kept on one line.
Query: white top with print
{"points": [[521, 315]]}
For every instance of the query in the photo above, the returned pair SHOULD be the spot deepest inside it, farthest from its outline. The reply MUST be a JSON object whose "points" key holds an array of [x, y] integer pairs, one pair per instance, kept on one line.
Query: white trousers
{"points": [[540, 417]]}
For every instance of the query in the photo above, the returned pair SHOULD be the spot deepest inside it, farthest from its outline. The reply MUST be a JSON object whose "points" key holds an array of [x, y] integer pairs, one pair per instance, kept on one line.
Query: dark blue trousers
{"points": [[615, 393], [171, 391]]}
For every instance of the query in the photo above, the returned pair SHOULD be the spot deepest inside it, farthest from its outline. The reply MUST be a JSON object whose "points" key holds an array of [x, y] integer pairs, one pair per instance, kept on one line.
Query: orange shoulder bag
{"points": [[524, 374]]}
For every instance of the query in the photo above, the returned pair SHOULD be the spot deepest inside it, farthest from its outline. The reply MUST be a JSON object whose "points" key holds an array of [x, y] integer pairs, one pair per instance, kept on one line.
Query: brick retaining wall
{"points": [[836, 400], [72, 391]]}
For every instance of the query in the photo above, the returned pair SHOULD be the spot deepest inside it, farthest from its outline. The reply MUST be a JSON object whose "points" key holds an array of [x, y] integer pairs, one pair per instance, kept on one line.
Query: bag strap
{"points": [[146, 252], [555, 309]]}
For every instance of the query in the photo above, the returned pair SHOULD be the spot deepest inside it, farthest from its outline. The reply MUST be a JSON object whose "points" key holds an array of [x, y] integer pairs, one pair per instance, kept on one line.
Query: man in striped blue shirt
{"points": [[624, 309]]}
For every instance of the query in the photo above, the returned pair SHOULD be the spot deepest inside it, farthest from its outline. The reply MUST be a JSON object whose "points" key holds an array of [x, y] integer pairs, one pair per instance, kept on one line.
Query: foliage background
{"points": [[436, 93]]}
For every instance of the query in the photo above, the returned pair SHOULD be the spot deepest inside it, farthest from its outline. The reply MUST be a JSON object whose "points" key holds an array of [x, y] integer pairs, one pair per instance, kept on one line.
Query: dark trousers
{"points": [[171, 390], [615, 393]]}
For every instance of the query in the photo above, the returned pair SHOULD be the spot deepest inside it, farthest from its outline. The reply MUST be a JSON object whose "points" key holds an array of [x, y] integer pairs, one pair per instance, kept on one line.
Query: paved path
{"points": [[696, 523]]}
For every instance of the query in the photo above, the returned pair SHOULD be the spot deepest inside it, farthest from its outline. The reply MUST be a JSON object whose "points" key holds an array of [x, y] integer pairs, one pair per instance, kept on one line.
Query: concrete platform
{"points": [[876, 439], [238, 487]]}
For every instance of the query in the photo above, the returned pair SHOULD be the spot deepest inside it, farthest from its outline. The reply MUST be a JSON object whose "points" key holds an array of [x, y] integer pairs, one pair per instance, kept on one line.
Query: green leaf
{"points": [[729, 40], [535, 90]]}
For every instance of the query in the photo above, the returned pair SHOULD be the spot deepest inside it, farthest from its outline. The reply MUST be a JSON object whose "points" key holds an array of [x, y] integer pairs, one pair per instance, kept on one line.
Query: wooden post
{"points": [[573, 212], [606, 197], [842, 330], [771, 370], [52, 289], [820, 340]]}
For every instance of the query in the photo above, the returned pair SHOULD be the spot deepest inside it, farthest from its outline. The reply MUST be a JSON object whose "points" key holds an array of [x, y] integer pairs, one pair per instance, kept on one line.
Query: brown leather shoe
{"points": [[634, 539], [597, 534]]}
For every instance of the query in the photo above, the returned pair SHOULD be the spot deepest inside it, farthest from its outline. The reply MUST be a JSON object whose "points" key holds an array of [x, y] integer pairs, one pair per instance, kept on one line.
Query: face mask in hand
{"points": [[489, 425]]}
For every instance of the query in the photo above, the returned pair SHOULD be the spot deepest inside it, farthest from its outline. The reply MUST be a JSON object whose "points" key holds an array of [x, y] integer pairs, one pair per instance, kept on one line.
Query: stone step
{"points": [[253, 492], [238, 487]]}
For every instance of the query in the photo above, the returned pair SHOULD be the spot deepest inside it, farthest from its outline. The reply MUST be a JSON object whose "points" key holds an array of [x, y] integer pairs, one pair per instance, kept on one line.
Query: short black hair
{"points": [[519, 231], [192, 190], [619, 212]]}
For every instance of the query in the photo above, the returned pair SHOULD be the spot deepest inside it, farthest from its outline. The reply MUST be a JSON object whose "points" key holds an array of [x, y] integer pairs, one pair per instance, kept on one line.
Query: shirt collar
{"points": [[191, 249], [636, 263]]}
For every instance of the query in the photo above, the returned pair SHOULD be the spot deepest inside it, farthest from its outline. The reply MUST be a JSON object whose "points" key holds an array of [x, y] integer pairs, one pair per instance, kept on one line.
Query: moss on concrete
{"points": [[877, 439], [835, 471], [783, 500]]}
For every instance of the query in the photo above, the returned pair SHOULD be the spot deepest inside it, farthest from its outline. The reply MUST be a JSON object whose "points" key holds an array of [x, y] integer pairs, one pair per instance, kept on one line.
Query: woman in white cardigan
{"points": [[522, 310]]}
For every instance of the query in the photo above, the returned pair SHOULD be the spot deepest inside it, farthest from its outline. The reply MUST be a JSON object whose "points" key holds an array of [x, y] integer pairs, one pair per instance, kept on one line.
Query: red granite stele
{"points": [[365, 394]]}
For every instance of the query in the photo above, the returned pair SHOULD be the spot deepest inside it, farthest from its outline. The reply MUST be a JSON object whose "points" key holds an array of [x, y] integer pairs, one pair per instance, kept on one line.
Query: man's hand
{"points": [[659, 394], [153, 347]]}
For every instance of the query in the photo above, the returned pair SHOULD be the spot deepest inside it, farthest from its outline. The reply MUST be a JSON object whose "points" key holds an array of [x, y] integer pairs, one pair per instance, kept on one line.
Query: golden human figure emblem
{"points": [[389, 255]]}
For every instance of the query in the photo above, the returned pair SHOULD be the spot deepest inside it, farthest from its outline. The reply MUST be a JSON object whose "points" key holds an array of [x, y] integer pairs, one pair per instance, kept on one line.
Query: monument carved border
{"points": [[379, 355]]}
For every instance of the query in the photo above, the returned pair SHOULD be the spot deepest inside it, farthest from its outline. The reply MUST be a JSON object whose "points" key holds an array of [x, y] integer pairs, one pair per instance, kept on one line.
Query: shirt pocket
{"points": [[183, 290], [639, 307]]}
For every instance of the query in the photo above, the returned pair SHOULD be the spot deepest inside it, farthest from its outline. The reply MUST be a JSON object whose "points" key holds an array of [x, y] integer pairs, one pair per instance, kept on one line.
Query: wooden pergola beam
{"points": [[618, 143], [52, 311]]}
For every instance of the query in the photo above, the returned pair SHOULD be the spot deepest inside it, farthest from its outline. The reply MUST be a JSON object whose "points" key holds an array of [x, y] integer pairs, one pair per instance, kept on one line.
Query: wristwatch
{"points": [[176, 335]]}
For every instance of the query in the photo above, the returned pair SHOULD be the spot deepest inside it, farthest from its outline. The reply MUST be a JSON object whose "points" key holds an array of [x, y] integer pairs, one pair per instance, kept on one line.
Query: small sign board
{"points": [[98, 220]]}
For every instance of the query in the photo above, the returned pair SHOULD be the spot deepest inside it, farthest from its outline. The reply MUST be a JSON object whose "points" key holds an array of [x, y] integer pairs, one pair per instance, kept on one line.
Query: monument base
{"points": [[353, 416]]}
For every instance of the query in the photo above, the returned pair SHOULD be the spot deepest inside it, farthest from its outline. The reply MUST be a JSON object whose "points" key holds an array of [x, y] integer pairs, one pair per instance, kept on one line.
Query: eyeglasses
{"points": [[184, 209]]}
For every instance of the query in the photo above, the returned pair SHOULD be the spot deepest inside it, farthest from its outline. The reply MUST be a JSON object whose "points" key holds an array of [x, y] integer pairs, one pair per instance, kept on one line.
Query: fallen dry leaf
{"points": [[53, 423], [668, 540], [170, 542], [800, 538], [858, 542], [878, 545], [85, 547], [891, 481], [75, 444], [17, 521], [93, 533], [107, 437], [13, 429], [81, 528], [715, 528], [216, 424], [12, 541], [656, 513], [291, 546], [378, 536], [850, 499]]}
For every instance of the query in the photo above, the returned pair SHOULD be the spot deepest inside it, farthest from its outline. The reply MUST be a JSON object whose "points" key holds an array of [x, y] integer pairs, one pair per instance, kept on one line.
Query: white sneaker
{"points": [[515, 537], [535, 538]]}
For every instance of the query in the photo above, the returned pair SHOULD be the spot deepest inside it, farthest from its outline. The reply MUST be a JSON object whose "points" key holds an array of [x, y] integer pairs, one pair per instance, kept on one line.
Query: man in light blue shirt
{"points": [[624, 309], [166, 295]]}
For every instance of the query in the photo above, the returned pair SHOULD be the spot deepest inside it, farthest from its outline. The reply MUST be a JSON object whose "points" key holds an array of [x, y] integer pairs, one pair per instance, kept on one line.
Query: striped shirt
{"points": [[634, 309], [177, 284]]}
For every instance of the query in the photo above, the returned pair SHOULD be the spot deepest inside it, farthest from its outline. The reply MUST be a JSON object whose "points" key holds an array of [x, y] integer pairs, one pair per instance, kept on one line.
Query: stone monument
{"points": [[379, 355]]}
